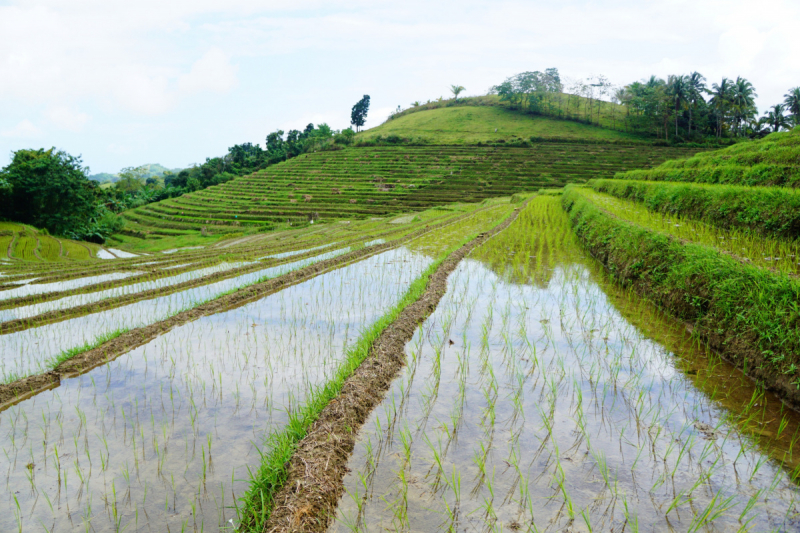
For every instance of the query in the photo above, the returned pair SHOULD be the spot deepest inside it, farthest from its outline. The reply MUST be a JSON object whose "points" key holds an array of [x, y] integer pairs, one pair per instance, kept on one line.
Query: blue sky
{"points": [[175, 81]]}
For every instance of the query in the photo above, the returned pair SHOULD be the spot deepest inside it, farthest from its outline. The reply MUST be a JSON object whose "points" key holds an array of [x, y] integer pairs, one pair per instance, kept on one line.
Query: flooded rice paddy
{"points": [[33, 350], [162, 437], [539, 396]]}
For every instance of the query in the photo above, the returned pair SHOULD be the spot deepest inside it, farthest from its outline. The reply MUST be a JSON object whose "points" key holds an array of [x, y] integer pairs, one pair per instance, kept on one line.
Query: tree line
{"points": [[682, 107], [50, 189]]}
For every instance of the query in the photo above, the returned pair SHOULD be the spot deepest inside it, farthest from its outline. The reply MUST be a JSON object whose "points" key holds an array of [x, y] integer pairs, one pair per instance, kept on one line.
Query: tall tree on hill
{"points": [[696, 86], [679, 91], [743, 102], [358, 116], [792, 104], [775, 118], [456, 90]]}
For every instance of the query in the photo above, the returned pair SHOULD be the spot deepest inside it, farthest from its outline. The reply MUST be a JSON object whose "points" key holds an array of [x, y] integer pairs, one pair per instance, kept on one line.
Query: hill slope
{"points": [[378, 181], [473, 124], [773, 160], [26, 243]]}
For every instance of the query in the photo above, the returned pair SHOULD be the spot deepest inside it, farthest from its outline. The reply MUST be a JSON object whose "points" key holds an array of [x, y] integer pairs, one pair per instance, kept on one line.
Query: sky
{"points": [[125, 83]]}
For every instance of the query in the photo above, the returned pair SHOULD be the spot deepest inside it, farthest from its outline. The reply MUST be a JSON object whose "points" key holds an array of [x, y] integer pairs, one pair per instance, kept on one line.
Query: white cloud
{"points": [[66, 118], [256, 65], [212, 72], [23, 131]]}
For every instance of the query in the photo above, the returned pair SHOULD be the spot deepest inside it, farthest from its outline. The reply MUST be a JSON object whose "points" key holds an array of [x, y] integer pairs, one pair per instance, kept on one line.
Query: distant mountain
{"points": [[153, 170]]}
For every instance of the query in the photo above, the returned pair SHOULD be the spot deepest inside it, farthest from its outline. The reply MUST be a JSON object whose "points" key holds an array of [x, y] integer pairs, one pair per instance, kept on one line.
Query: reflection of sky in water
{"points": [[83, 299], [228, 377], [50, 340], [553, 346], [41, 288]]}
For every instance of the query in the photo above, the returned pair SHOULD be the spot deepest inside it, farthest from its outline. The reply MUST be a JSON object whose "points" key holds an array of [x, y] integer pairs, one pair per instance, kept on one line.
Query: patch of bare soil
{"points": [[307, 501]]}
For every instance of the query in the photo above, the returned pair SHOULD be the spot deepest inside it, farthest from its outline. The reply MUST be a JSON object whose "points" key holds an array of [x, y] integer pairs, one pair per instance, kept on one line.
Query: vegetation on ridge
{"points": [[773, 160]]}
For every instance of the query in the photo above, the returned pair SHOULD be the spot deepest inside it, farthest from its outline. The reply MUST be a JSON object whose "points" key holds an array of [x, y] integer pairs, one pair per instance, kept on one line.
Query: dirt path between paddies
{"points": [[308, 499], [21, 389]]}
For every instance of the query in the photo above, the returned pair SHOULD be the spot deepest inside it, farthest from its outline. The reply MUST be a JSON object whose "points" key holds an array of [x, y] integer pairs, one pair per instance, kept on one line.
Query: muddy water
{"points": [[30, 351], [163, 437], [541, 397]]}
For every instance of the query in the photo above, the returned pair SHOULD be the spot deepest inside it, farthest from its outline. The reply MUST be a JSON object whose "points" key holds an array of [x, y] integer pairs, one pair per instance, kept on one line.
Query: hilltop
{"points": [[153, 170], [474, 120]]}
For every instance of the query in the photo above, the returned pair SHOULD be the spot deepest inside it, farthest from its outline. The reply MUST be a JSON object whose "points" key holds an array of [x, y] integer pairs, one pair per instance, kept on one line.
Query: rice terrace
{"points": [[540, 309]]}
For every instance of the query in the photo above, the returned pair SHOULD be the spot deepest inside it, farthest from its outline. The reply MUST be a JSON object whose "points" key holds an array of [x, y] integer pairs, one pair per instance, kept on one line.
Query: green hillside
{"points": [[362, 182], [470, 125], [773, 160], [26, 243]]}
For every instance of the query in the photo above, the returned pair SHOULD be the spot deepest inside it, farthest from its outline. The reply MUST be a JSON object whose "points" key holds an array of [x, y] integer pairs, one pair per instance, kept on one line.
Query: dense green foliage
{"points": [[774, 160], [49, 189], [751, 314], [770, 211]]}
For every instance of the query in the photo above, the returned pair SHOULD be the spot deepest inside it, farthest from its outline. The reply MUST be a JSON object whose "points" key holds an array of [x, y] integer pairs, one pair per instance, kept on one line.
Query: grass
{"points": [[772, 161], [765, 251], [471, 125], [768, 211], [750, 314]]}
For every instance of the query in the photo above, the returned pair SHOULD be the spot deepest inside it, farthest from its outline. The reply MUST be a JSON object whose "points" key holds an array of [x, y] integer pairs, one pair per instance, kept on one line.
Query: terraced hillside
{"points": [[772, 161], [26, 243], [380, 181]]}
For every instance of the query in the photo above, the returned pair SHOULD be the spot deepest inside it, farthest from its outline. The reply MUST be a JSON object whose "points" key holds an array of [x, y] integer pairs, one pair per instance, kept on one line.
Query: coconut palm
{"points": [[456, 90], [721, 95], [678, 89], [776, 119], [792, 104], [696, 83], [743, 103]]}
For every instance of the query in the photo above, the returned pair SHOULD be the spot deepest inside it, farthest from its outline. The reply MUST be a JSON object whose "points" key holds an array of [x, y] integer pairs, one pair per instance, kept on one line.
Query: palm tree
{"points": [[678, 89], [721, 101], [743, 101], [696, 83], [775, 118], [456, 90], [792, 104]]}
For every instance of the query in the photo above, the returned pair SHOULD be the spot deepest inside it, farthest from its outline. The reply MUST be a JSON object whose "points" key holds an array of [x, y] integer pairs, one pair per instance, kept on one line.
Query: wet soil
{"points": [[308, 499]]}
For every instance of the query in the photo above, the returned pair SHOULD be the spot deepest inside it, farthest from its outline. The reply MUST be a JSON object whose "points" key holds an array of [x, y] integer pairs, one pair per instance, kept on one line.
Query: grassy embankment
{"points": [[773, 160], [750, 314], [26, 243], [766, 211]]}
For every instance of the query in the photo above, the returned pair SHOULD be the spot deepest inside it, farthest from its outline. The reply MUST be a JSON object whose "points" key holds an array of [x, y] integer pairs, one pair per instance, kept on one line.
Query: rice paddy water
{"points": [[163, 436], [539, 396]]}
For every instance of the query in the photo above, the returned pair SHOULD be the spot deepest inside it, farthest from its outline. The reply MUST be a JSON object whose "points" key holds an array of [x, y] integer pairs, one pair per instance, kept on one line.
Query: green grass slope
{"points": [[773, 160], [362, 182], [20, 242], [474, 124]]}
